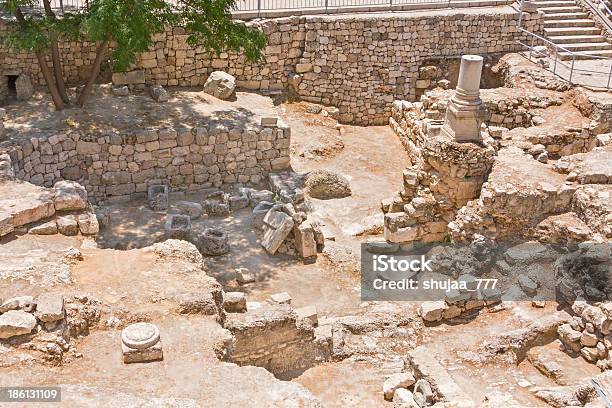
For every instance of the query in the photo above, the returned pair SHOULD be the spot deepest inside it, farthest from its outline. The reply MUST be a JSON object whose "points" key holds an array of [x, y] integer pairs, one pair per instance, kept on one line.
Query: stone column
{"points": [[465, 111]]}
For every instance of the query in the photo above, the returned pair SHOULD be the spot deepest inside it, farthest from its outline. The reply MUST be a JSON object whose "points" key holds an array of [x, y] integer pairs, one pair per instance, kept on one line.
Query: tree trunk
{"points": [[55, 56], [44, 69], [95, 70]]}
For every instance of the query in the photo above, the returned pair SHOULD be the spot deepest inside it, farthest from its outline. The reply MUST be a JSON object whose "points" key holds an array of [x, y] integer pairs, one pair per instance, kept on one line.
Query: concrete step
{"points": [[599, 53], [588, 46], [565, 16], [553, 10], [569, 23], [574, 39], [569, 31], [541, 4]]}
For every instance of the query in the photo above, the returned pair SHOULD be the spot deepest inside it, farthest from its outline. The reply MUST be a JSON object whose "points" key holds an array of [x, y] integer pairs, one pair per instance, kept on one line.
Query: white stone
{"points": [[69, 196], [399, 380], [432, 311], [50, 307], [282, 298], [15, 323], [234, 302], [308, 312], [220, 85]]}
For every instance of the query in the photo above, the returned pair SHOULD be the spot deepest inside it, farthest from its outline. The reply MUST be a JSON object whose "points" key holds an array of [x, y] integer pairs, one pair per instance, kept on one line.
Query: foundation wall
{"points": [[359, 63], [125, 165]]}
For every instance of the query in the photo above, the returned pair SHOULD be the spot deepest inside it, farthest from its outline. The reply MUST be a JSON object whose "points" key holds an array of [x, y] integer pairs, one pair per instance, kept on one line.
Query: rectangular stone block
{"points": [[153, 353]]}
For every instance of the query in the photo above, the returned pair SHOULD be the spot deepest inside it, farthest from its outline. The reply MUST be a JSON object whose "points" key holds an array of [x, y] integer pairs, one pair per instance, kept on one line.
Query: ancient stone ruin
{"points": [[396, 207]]}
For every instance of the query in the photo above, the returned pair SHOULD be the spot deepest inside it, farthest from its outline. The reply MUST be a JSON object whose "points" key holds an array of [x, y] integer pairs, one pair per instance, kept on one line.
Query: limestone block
{"points": [[239, 201], [305, 241], [269, 121], [277, 227], [309, 313], [158, 197], [220, 85], [158, 93], [6, 223], [23, 87], [211, 242], [432, 311], [259, 213], [257, 197], [25, 303], [177, 226], [193, 210], [47, 228], [129, 78], [88, 224], [282, 298], [16, 323], [395, 381], [234, 302], [403, 398], [50, 307], [243, 276], [67, 225], [69, 196], [121, 91]]}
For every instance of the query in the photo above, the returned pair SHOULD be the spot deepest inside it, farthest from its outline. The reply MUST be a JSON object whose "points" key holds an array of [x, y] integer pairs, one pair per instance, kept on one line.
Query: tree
{"points": [[121, 29]]}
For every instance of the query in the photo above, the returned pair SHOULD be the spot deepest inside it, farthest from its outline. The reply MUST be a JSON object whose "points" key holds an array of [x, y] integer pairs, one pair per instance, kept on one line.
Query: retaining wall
{"points": [[360, 63]]}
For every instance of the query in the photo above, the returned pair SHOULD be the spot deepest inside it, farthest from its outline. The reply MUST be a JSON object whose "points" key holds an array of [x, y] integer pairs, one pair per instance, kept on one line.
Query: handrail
{"points": [[602, 10]]}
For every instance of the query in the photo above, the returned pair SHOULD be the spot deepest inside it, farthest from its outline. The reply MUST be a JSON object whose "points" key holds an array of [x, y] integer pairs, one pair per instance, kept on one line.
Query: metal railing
{"points": [[581, 68], [324, 6]]}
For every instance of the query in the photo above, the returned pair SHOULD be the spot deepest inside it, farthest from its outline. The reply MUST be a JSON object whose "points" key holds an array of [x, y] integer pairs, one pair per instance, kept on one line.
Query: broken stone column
{"points": [[140, 343], [465, 111]]}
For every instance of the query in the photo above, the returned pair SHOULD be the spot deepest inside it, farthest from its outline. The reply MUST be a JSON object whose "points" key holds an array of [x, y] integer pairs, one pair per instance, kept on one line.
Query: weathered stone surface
{"points": [[129, 78], [177, 226], [432, 311], [140, 343], [88, 224], [69, 196], [308, 312], [403, 398], [282, 298], [220, 85], [6, 223], [193, 210], [158, 93], [211, 241], [67, 225], [24, 202], [259, 213], [399, 380], [47, 228], [15, 323], [23, 87], [305, 241], [197, 303], [277, 227], [50, 307], [327, 185], [25, 303], [234, 302], [158, 197]]}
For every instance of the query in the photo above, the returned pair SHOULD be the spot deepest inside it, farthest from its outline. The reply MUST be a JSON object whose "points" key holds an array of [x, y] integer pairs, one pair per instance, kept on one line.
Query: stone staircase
{"points": [[568, 26]]}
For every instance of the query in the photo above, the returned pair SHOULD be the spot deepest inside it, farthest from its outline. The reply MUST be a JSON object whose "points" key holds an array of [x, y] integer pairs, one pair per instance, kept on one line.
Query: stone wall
{"points": [[126, 164], [359, 63], [273, 337]]}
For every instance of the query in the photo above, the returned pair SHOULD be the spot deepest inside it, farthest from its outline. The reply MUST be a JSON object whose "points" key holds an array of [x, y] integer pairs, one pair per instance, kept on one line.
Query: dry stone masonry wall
{"points": [[359, 63], [125, 165]]}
